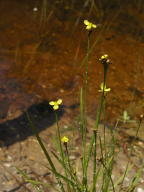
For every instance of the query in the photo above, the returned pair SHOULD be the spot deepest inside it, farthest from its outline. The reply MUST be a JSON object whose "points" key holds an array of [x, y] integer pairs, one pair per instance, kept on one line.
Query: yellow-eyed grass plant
{"points": [[83, 105], [63, 159], [69, 181]]}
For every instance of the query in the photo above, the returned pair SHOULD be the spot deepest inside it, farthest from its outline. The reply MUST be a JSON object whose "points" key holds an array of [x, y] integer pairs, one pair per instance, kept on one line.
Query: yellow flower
{"points": [[65, 139], [104, 59], [89, 25], [103, 88], [56, 104]]}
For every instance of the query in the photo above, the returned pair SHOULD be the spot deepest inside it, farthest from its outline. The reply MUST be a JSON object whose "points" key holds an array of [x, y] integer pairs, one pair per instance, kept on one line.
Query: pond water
{"points": [[43, 46]]}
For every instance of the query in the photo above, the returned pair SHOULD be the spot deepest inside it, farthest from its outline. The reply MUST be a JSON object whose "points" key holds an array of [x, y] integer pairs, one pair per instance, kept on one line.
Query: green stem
{"points": [[104, 128], [45, 152], [59, 137], [94, 161], [73, 175], [98, 115], [61, 149], [84, 118]]}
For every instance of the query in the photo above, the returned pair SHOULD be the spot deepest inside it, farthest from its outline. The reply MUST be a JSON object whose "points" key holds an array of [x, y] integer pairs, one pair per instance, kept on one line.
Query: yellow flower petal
{"points": [[104, 57], [52, 103], [88, 27], [55, 104], [59, 101], [55, 107], [94, 26], [103, 88], [86, 22], [65, 139], [108, 89]]}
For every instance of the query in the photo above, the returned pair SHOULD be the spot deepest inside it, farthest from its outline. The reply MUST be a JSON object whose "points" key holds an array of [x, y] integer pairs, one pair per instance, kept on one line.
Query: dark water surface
{"points": [[42, 49]]}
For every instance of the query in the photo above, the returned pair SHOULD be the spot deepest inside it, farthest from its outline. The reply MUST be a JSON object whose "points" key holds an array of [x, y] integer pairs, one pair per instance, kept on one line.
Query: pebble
{"points": [[140, 190], [7, 164], [35, 9]]}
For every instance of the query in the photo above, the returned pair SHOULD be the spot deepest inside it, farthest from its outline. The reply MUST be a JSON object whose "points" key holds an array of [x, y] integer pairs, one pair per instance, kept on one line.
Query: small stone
{"points": [[140, 190], [61, 90], [7, 164], [35, 9], [9, 158], [65, 126], [72, 157], [43, 86]]}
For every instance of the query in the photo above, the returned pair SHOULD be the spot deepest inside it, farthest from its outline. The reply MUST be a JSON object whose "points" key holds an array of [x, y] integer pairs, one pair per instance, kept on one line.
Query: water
{"points": [[43, 45]]}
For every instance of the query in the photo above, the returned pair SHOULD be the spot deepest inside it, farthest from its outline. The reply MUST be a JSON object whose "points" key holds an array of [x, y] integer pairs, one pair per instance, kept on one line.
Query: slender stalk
{"points": [[104, 131], [59, 137], [86, 63], [61, 149], [94, 161], [73, 176], [84, 98], [93, 140], [45, 152], [108, 166], [83, 132]]}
